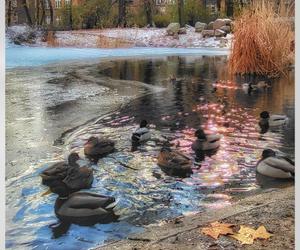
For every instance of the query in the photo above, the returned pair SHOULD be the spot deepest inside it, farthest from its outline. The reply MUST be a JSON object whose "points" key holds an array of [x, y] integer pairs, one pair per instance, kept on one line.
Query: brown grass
{"points": [[263, 36]]}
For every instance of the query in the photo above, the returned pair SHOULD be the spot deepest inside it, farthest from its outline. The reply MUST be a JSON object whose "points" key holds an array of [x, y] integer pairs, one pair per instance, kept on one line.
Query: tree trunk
{"points": [[122, 13], [51, 14], [71, 17], [29, 20], [43, 12], [149, 14], [180, 12], [37, 13], [9, 13]]}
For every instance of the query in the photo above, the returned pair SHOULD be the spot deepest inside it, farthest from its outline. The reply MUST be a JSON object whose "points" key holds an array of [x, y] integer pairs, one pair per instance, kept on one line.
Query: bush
{"points": [[262, 40]]}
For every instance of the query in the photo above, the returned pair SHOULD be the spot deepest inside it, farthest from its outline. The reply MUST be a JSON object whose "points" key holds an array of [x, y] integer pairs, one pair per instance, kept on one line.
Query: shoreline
{"points": [[273, 208]]}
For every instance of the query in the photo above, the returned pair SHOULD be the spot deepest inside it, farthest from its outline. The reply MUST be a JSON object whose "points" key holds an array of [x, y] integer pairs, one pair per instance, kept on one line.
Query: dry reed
{"points": [[263, 35]]}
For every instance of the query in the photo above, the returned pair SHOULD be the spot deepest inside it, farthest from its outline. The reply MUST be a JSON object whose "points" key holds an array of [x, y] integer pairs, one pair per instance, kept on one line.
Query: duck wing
{"points": [[280, 163], [178, 160], [79, 178], [86, 200], [56, 171]]}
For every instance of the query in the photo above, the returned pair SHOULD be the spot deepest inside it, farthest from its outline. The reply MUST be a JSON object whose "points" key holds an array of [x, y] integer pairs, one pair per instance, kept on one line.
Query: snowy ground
{"points": [[142, 37]]}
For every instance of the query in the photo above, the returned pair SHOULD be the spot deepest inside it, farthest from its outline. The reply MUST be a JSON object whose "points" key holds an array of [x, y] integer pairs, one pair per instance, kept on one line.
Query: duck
{"points": [[141, 134], [84, 208], [206, 142], [174, 163], [71, 175], [95, 148], [267, 120], [276, 167]]}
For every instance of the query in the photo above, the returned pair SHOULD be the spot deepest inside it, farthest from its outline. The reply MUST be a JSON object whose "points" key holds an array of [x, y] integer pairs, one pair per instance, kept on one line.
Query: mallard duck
{"points": [[84, 208], [96, 148], [141, 134], [174, 163], [71, 175], [276, 167], [205, 142], [272, 120]]}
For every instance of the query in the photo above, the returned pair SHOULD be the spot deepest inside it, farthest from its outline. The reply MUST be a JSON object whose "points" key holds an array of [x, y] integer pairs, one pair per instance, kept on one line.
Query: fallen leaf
{"points": [[245, 235], [217, 229], [262, 233]]}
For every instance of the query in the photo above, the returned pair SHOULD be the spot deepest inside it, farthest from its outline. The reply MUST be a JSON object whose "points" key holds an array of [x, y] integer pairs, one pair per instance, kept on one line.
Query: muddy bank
{"points": [[44, 102], [274, 208]]}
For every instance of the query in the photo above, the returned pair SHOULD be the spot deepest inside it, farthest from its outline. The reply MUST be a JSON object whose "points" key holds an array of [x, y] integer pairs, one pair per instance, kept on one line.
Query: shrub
{"points": [[262, 40]]}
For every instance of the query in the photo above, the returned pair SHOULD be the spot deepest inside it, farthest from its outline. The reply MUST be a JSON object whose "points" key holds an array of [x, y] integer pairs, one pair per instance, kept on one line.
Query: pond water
{"points": [[146, 195]]}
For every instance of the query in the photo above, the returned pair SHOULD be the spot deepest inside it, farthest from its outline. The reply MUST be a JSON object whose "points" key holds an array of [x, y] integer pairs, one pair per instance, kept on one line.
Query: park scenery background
{"points": [[209, 169]]}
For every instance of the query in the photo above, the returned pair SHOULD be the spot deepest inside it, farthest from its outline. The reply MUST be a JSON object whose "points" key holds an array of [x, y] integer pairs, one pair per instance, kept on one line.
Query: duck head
{"points": [[143, 124], [268, 153], [73, 157], [264, 115], [200, 134]]}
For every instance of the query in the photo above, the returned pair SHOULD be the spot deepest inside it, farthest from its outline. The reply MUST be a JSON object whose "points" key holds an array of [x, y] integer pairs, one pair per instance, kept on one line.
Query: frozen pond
{"points": [[174, 110]]}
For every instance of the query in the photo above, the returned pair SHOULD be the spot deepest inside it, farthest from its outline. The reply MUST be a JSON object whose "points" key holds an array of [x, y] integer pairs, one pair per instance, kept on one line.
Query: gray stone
{"points": [[200, 26], [173, 29], [208, 33], [219, 33], [226, 29], [210, 26], [182, 31], [227, 21], [218, 24]]}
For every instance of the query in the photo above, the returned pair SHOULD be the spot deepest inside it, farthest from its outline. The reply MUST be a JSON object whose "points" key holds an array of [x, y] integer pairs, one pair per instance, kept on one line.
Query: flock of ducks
{"points": [[84, 208]]}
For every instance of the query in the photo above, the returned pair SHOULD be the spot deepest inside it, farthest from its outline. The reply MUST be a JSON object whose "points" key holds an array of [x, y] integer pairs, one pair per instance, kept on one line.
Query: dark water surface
{"points": [[146, 195]]}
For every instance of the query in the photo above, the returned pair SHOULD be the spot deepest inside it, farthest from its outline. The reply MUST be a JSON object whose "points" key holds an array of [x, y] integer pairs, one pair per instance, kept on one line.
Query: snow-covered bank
{"points": [[141, 37], [23, 56]]}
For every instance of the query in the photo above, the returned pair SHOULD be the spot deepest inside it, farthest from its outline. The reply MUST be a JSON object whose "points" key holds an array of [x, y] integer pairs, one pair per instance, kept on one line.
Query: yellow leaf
{"points": [[217, 229], [245, 235], [262, 233]]}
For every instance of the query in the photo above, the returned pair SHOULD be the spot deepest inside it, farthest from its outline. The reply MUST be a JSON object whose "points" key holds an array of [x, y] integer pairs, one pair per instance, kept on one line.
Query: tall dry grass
{"points": [[263, 35]]}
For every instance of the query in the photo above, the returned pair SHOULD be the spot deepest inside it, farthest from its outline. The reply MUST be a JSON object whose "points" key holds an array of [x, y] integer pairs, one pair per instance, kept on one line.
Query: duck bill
{"points": [[47, 192]]}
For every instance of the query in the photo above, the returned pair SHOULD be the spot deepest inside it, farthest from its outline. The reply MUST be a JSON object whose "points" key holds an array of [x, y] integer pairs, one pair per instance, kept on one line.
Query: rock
{"points": [[200, 26], [219, 33], [227, 21], [173, 29], [182, 31], [210, 26], [226, 29], [208, 33], [218, 24]]}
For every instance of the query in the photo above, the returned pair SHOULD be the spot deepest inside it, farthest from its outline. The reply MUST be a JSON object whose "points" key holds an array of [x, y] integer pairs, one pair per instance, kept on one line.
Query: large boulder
{"points": [[182, 31], [226, 29], [210, 26], [200, 26], [208, 33], [219, 33], [218, 24], [227, 21], [173, 28]]}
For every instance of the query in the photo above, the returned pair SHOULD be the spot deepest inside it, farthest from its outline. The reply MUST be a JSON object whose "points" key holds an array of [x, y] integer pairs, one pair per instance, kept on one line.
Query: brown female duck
{"points": [[95, 148], [71, 175], [174, 163]]}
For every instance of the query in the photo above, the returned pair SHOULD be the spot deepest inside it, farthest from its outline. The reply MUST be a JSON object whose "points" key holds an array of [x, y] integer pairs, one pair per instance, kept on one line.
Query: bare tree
{"points": [[180, 12], [8, 12], [37, 12], [149, 6], [51, 13], [43, 12], [29, 20], [122, 13]]}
